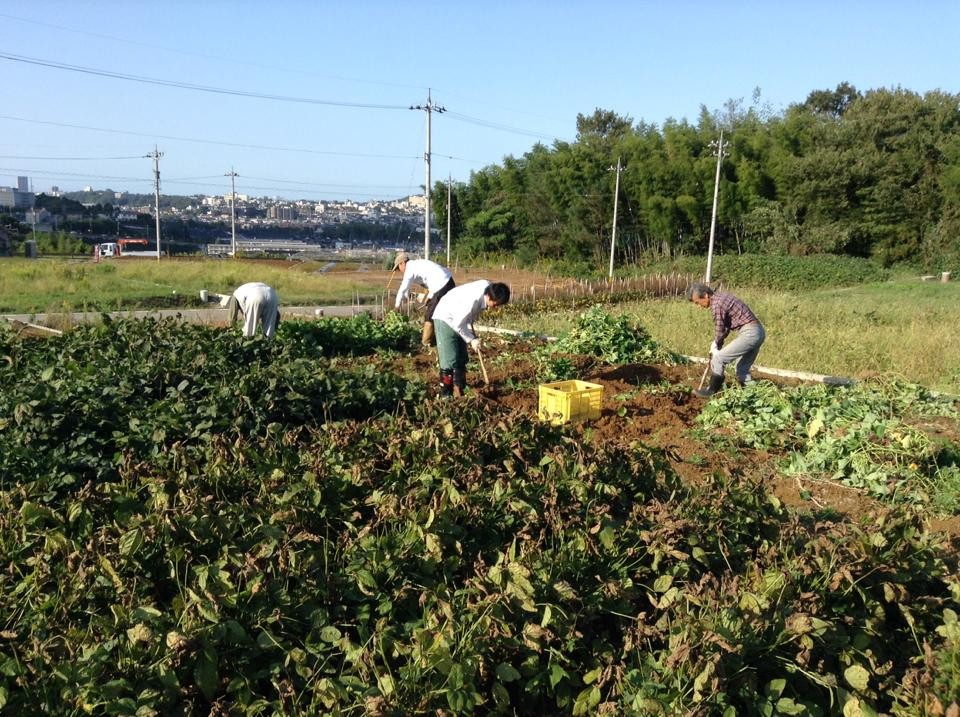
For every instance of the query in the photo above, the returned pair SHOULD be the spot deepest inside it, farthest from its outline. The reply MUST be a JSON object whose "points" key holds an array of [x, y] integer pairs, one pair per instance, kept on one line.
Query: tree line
{"points": [[873, 174]]}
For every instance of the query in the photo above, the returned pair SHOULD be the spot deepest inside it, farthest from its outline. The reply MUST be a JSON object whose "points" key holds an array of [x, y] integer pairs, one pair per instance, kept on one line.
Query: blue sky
{"points": [[509, 74]]}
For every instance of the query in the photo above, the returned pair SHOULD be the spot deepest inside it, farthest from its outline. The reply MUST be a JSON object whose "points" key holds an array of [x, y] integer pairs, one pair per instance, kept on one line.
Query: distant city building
{"points": [[287, 214], [15, 199], [23, 184]]}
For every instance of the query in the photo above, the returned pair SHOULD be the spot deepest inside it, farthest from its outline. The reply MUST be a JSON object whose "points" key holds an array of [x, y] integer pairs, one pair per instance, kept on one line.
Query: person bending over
{"points": [[259, 305], [436, 279], [453, 319], [729, 314]]}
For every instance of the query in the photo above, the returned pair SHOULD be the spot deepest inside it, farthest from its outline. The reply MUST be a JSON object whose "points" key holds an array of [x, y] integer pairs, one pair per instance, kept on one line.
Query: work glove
{"points": [[714, 348], [475, 344]]}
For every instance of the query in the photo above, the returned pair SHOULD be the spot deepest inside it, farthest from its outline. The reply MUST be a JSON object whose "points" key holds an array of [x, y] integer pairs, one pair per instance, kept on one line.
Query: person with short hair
{"points": [[260, 306], [729, 314], [453, 319], [436, 279]]}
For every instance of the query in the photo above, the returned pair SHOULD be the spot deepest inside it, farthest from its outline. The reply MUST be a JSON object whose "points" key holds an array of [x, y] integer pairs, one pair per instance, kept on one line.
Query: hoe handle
{"points": [[704, 376], [483, 368]]}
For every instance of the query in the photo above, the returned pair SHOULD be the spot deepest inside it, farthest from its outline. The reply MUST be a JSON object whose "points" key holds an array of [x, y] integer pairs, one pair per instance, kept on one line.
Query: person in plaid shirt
{"points": [[729, 314]]}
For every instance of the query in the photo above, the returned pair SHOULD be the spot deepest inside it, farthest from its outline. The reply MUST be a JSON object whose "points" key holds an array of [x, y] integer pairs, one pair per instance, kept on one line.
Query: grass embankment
{"points": [[903, 327], [58, 286]]}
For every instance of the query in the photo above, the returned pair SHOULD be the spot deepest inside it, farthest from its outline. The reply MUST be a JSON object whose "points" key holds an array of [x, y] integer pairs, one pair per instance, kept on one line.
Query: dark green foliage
{"points": [[196, 523], [360, 335], [612, 339], [787, 273], [850, 173]]}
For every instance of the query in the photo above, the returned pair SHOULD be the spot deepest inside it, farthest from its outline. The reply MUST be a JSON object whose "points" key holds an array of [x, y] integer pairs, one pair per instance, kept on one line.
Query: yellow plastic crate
{"points": [[569, 401]]}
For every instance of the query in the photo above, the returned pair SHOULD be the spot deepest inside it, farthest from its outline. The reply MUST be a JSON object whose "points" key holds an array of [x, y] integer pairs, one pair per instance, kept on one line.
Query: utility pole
{"points": [[718, 147], [449, 195], [429, 108], [616, 196], [233, 212], [156, 155]]}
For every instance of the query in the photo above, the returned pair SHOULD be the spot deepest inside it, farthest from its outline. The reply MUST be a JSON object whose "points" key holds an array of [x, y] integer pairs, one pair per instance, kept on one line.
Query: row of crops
{"points": [[196, 523]]}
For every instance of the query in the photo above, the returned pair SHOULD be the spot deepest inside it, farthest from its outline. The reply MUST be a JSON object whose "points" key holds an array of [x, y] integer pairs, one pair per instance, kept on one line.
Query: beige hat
{"points": [[400, 258]]}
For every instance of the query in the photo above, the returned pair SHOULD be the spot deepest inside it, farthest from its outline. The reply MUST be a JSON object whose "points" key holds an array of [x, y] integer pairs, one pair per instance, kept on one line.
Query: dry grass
{"points": [[905, 328]]}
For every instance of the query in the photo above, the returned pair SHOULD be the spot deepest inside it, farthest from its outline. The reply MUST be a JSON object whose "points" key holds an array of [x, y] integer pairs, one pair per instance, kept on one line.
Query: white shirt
{"points": [[426, 273], [461, 306], [259, 304]]}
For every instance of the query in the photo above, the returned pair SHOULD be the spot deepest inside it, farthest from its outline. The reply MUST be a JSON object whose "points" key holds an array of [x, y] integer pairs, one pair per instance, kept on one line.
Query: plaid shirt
{"points": [[729, 314]]}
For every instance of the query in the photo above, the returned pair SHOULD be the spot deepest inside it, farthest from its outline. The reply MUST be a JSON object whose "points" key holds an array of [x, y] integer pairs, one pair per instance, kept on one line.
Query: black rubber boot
{"points": [[459, 382], [446, 382], [716, 383]]}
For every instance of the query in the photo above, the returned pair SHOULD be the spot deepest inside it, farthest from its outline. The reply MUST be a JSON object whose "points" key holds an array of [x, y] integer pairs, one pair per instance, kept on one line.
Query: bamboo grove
{"points": [[865, 174]]}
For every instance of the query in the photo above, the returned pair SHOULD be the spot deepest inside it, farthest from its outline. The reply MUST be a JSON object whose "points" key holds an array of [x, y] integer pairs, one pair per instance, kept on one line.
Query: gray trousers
{"points": [[743, 349]]}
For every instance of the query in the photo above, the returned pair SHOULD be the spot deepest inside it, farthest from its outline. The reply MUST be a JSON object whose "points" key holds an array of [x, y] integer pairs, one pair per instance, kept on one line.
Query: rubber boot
{"points": [[446, 383], [427, 338], [716, 383], [459, 382]]}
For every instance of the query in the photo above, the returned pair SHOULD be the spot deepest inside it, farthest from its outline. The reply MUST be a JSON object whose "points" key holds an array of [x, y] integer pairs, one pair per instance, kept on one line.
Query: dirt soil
{"points": [[655, 405]]}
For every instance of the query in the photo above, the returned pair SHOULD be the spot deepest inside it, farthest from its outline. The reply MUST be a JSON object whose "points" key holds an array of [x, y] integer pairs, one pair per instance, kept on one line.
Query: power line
{"points": [[189, 86], [246, 63], [497, 125], [187, 181], [322, 184], [210, 57], [67, 159], [257, 95], [270, 148], [45, 173]]}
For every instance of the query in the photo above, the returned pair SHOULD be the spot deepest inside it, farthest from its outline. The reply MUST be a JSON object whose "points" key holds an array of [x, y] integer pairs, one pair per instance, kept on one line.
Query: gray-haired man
{"points": [[729, 314]]}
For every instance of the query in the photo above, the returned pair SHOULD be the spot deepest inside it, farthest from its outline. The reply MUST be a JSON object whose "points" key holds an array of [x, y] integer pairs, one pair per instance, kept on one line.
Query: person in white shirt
{"points": [[453, 320], [260, 306], [436, 279]]}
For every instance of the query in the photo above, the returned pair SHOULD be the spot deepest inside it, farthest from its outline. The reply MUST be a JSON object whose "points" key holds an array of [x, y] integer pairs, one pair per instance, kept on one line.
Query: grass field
{"points": [[906, 328], [903, 327], [56, 286]]}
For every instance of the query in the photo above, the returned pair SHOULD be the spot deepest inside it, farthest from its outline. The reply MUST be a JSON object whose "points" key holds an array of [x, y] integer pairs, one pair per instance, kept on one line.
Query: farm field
{"points": [[195, 523], [63, 286], [901, 327]]}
